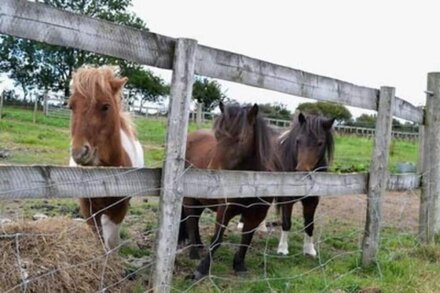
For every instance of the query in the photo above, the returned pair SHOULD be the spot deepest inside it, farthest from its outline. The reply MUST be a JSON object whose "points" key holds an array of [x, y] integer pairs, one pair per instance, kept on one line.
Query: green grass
{"points": [[403, 265], [47, 142]]}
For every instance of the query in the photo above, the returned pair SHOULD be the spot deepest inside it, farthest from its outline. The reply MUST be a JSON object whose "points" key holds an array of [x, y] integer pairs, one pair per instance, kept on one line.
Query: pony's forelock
{"points": [[88, 79]]}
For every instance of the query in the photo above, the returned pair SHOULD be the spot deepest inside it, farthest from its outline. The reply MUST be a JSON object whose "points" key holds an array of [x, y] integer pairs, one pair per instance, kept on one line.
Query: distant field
{"points": [[47, 142]]}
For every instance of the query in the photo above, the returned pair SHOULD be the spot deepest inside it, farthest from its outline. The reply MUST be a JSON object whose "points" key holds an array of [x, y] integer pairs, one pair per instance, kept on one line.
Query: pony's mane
{"points": [[87, 80], [234, 121], [313, 126]]}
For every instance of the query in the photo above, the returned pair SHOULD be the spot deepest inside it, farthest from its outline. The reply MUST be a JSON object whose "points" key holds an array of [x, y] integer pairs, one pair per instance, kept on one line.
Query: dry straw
{"points": [[55, 255]]}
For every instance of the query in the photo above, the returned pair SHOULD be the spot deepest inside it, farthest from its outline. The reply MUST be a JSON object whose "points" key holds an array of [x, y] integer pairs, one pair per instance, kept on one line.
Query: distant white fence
{"points": [[56, 109]]}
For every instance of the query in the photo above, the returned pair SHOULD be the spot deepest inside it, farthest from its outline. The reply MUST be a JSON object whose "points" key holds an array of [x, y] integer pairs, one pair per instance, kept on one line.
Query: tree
{"points": [[17, 59], [208, 92], [37, 65], [275, 111], [366, 120], [328, 109], [144, 84]]}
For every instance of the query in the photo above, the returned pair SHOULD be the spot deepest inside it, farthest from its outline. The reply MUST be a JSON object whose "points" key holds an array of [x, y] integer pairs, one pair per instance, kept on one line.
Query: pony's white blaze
{"points": [[110, 232], [309, 247], [133, 149], [283, 246]]}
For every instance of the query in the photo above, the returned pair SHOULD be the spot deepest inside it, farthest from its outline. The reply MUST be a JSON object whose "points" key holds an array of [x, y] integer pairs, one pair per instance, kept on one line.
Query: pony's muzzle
{"points": [[82, 155]]}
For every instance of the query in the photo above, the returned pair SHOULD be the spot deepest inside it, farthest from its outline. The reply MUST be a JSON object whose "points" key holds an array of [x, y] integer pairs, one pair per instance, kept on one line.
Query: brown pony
{"points": [[241, 141], [102, 135], [307, 146]]}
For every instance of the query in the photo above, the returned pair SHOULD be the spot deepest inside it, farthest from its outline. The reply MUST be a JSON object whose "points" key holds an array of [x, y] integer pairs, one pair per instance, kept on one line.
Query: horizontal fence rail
{"points": [[18, 182], [24, 19]]}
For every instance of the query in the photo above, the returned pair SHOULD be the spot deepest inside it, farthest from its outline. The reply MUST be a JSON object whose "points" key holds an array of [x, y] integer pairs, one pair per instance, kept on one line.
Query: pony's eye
{"points": [[105, 108], [320, 143]]}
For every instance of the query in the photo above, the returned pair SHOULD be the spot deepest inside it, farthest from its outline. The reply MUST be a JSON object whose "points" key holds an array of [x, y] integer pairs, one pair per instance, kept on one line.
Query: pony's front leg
{"points": [[110, 232], [309, 208], [192, 224], [252, 218], [224, 215], [283, 245]]}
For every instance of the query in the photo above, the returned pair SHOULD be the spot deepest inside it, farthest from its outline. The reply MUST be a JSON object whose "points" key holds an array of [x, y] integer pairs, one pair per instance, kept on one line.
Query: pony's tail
{"points": [[183, 232]]}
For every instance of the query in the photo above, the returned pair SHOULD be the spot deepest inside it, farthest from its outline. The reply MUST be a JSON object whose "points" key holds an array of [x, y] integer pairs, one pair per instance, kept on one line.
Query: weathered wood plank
{"points": [[405, 110], [173, 168], [21, 182], [43, 23], [429, 218], [403, 182], [378, 175], [426, 234], [250, 71], [238, 68]]}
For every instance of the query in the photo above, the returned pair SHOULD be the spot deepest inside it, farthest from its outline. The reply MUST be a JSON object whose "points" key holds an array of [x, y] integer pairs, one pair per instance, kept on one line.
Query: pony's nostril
{"points": [[81, 155], [86, 150]]}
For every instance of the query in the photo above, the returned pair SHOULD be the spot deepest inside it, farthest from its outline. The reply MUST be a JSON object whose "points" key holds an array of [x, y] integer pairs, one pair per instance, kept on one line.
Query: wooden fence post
{"points": [[34, 117], [421, 139], [199, 116], [378, 175], [173, 167], [429, 217], [1, 105], [46, 104]]}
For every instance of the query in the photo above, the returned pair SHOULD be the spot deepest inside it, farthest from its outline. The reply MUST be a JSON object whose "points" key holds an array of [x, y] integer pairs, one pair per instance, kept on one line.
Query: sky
{"points": [[370, 43]]}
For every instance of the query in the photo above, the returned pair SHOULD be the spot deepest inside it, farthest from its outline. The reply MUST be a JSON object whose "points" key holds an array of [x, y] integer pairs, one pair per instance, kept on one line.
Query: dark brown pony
{"points": [[241, 141], [308, 147], [102, 135]]}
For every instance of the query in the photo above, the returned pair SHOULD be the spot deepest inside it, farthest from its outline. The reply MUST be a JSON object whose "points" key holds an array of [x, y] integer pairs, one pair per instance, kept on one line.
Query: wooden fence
{"points": [[185, 57]]}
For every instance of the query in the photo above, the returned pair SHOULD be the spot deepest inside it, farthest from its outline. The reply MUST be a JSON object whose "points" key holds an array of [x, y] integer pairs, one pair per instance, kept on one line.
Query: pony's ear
{"points": [[252, 114], [328, 123], [301, 118], [118, 83], [221, 106]]}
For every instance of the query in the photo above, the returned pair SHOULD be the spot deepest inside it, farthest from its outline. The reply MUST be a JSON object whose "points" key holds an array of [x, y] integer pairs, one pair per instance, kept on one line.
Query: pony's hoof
{"points": [[309, 251], [196, 276], [240, 268], [283, 250]]}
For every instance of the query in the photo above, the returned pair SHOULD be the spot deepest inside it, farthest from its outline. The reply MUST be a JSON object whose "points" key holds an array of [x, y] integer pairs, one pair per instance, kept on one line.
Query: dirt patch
{"points": [[399, 210]]}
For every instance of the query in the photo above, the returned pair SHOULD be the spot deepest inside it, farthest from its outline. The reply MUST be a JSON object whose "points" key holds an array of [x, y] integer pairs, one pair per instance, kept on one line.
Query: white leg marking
{"points": [[110, 232], [309, 247], [262, 227], [240, 226], [283, 246]]}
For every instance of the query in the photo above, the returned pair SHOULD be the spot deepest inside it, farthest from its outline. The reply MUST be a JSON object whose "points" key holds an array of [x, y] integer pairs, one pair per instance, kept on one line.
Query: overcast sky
{"points": [[370, 43]]}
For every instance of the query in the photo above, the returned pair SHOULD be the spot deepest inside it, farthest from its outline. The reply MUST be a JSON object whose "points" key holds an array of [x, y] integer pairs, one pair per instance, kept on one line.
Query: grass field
{"points": [[47, 142], [403, 264]]}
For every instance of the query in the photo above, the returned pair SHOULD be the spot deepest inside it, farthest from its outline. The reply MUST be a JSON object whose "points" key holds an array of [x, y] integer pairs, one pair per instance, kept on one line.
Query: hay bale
{"points": [[56, 255]]}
